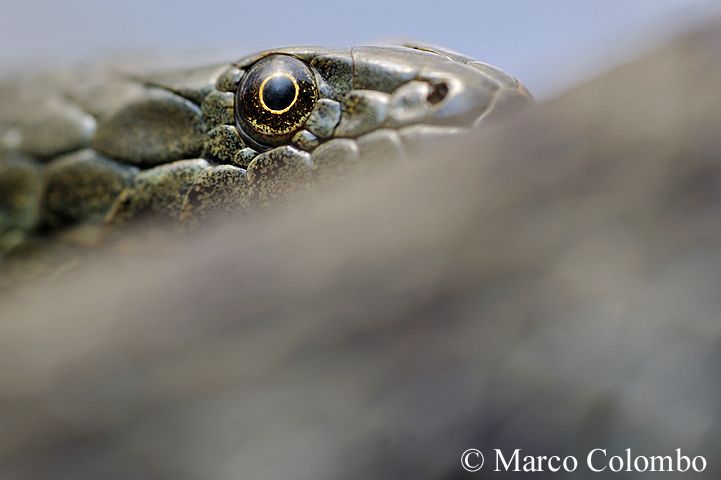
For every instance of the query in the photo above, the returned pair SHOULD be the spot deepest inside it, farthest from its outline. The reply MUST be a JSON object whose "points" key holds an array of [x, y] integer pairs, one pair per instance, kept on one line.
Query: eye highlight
{"points": [[274, 100]]}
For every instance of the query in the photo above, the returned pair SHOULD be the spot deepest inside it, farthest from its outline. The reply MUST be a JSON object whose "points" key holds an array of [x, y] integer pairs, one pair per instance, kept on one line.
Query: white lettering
{"points": [[507, 465], [661, 464], [702, 461], [589, 459]]}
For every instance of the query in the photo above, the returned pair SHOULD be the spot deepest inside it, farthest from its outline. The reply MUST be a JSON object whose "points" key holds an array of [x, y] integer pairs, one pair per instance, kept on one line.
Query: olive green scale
{"points": [[104, 146]]}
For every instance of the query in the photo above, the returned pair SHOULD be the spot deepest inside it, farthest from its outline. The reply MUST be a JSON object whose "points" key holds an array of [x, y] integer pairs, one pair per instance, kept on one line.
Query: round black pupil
{"points": [[279, 93]]}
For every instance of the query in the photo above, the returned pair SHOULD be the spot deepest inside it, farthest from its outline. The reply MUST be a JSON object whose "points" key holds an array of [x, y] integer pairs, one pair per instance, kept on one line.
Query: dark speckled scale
{"points": [[222, 143], [158, 127], [219, 189], [159, 191], [82, 187], [103, 144], [194, 84], [20, 194], [279, 174]]}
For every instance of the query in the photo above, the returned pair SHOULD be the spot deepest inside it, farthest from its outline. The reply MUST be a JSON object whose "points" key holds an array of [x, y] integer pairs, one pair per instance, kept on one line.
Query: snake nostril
{"points": [[438, 93]]}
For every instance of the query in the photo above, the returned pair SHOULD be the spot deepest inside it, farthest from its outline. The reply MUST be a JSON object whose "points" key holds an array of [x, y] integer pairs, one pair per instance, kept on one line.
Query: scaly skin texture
{"points": [[92, 146]]}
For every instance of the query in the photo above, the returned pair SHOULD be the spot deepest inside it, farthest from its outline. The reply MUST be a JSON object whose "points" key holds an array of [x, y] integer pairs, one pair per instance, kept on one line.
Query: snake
{"points": [[107, 145]]}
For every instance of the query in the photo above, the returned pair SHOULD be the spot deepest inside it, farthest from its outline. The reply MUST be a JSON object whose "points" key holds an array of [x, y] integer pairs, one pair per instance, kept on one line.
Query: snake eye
{"points": [[274, 100]]}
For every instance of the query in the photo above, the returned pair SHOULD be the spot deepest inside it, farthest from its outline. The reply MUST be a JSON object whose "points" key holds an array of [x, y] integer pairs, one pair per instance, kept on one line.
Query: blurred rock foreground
{"points": [[553, 284]]}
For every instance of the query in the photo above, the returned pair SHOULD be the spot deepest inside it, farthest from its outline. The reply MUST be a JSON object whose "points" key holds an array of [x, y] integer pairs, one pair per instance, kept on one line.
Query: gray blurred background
{"points": [[549, 44]]}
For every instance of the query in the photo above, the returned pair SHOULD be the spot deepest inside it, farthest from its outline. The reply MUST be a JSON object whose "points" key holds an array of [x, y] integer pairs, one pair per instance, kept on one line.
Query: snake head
{"points": [[246, 132], [368, 100], [305, 116]]}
